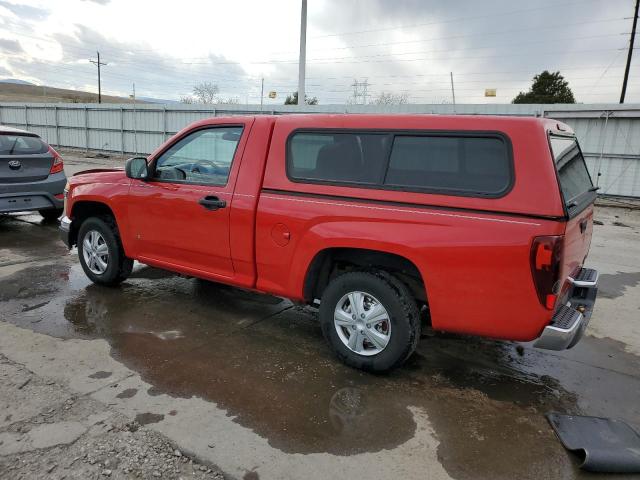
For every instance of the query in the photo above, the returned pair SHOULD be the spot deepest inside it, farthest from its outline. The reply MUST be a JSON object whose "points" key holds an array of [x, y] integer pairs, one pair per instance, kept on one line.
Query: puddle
{"points": [[127, 393], [265, 363], [614, 285], [148, 418]]}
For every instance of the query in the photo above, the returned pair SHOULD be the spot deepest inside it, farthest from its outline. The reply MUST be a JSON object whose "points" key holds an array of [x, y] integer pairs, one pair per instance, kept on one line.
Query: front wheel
{"points": [[101, 254], [370, 320]]}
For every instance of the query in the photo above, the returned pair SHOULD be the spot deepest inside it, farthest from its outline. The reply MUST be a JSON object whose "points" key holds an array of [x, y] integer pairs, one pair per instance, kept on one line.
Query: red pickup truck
{"points": [[475, 224]]}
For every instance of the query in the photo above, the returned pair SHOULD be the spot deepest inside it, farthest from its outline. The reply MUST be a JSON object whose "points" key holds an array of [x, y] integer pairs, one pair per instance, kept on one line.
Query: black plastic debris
{"points": [[603, 444]]}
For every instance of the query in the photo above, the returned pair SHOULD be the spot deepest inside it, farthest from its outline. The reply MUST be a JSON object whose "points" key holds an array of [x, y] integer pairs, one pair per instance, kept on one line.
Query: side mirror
{"points": [[137, 167]]}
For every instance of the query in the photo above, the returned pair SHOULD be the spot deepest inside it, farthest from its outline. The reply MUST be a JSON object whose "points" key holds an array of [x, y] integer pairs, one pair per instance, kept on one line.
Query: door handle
{"points": [[211, 202], [583, 225]]}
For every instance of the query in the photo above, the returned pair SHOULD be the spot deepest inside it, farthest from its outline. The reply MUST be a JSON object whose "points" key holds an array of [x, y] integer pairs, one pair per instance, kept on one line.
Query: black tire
{"points": [[50, 214], [118, 265], [402, 310]]}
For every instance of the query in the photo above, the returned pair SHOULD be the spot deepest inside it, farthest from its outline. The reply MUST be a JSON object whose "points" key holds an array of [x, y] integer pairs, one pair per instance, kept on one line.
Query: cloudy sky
{"points": [[400, 46]]}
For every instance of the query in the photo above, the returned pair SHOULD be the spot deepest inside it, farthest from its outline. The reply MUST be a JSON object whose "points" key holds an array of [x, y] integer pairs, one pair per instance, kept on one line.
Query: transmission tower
{"points": [[360, 91]]}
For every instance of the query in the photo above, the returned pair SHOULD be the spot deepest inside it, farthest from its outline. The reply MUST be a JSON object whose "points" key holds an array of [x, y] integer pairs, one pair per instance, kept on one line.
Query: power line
{"points": [[397, 54], [554, 5], [293, 60]]}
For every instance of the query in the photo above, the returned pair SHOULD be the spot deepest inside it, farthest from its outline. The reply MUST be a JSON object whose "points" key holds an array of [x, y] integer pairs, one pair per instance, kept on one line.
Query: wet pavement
{"points": [[264, 362]]}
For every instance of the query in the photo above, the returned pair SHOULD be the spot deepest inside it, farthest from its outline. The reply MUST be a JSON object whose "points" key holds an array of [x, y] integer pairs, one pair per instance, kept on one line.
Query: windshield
{"points": [[572, 170]]}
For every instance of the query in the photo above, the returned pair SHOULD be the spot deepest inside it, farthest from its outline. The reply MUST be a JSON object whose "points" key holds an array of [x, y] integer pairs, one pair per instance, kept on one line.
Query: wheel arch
{"points": [[330, 262], [83, 209]]}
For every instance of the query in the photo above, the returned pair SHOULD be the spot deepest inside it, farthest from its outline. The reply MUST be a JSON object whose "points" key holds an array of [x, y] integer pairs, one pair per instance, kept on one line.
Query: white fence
{"points": [[609, 134]]}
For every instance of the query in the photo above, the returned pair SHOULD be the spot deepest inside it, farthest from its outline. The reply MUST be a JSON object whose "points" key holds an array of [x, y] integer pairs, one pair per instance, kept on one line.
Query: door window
{"points": [[202, 157]]}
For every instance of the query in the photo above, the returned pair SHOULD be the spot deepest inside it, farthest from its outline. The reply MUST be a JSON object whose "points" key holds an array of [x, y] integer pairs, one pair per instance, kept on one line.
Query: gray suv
{"points": [[31, 174]]}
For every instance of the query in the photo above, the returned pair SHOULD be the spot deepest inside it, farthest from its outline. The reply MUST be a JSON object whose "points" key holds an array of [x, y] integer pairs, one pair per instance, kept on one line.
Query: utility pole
{"points": [[261, 92], [628, 67], [303, 53], [135, 122], [453, 93], [98, 63]]}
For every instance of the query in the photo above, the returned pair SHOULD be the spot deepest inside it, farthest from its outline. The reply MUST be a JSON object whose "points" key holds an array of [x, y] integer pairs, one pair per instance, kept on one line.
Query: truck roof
{"points": [[463, 121]]}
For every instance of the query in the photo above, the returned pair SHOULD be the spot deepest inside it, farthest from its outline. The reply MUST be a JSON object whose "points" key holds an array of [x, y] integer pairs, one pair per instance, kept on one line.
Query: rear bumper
{"points": [[571, 319], [29, 201], [65, 230], [20, 197]]}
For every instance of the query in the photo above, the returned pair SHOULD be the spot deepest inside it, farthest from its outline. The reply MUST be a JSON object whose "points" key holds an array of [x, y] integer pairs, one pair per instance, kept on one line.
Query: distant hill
{"points": [[156, 100], [16, 81], [12, 90]]}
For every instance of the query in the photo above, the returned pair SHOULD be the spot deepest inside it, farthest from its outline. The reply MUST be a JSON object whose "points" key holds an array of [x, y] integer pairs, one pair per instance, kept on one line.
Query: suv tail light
{"points": [[546, 260], [58, 164]]}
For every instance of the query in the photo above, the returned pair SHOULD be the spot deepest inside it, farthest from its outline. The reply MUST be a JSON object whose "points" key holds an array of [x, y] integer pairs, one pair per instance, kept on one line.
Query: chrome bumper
{"points": [[65, 230], [571, 319]]}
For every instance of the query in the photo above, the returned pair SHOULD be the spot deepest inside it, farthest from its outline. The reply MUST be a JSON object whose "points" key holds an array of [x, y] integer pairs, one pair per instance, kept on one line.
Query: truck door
{"points": [[180, 215]]}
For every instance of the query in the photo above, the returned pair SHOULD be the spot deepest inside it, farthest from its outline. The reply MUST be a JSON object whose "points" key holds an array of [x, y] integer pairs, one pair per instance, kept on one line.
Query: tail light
{"points": [[58, 164], [546, 261]]}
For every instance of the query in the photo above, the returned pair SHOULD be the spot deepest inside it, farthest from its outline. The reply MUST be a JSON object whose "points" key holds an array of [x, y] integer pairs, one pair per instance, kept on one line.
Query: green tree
{"points": [[547, 88], [293, 99]]}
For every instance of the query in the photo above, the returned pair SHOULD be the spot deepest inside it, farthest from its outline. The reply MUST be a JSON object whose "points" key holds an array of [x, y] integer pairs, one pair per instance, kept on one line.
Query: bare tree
{"points": [[206, 92], [293, 99], [390, 98]]}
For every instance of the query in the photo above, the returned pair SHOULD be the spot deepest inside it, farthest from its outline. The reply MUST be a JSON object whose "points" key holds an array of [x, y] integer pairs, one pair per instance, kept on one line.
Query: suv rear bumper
{"points": [[20, 197], [571, 319]]}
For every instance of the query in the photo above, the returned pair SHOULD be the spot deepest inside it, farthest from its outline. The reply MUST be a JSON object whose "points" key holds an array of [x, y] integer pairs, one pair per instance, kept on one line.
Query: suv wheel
{"points": [[370, 320], [51, 214], [101, 253]]}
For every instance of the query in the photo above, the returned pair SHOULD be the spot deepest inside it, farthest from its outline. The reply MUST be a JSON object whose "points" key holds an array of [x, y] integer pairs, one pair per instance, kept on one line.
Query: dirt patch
{"points": [[76, 438]]}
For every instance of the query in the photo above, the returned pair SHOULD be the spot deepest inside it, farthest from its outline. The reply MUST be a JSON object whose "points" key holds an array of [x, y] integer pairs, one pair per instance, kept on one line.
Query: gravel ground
{"points": [[46, 432]]}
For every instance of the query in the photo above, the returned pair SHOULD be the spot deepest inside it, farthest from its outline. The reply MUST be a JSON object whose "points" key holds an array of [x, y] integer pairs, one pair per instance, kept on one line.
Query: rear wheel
{"points": [[370, 320], [101, 254], [51, 214]]}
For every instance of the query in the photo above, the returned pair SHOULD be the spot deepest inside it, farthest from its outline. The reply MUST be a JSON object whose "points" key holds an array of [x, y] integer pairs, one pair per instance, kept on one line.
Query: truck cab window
{"points": [[203, 157]]}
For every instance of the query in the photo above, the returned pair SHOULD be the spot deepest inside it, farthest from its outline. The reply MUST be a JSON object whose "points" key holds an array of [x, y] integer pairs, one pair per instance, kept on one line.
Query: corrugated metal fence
{"points": [[609, 134]]}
